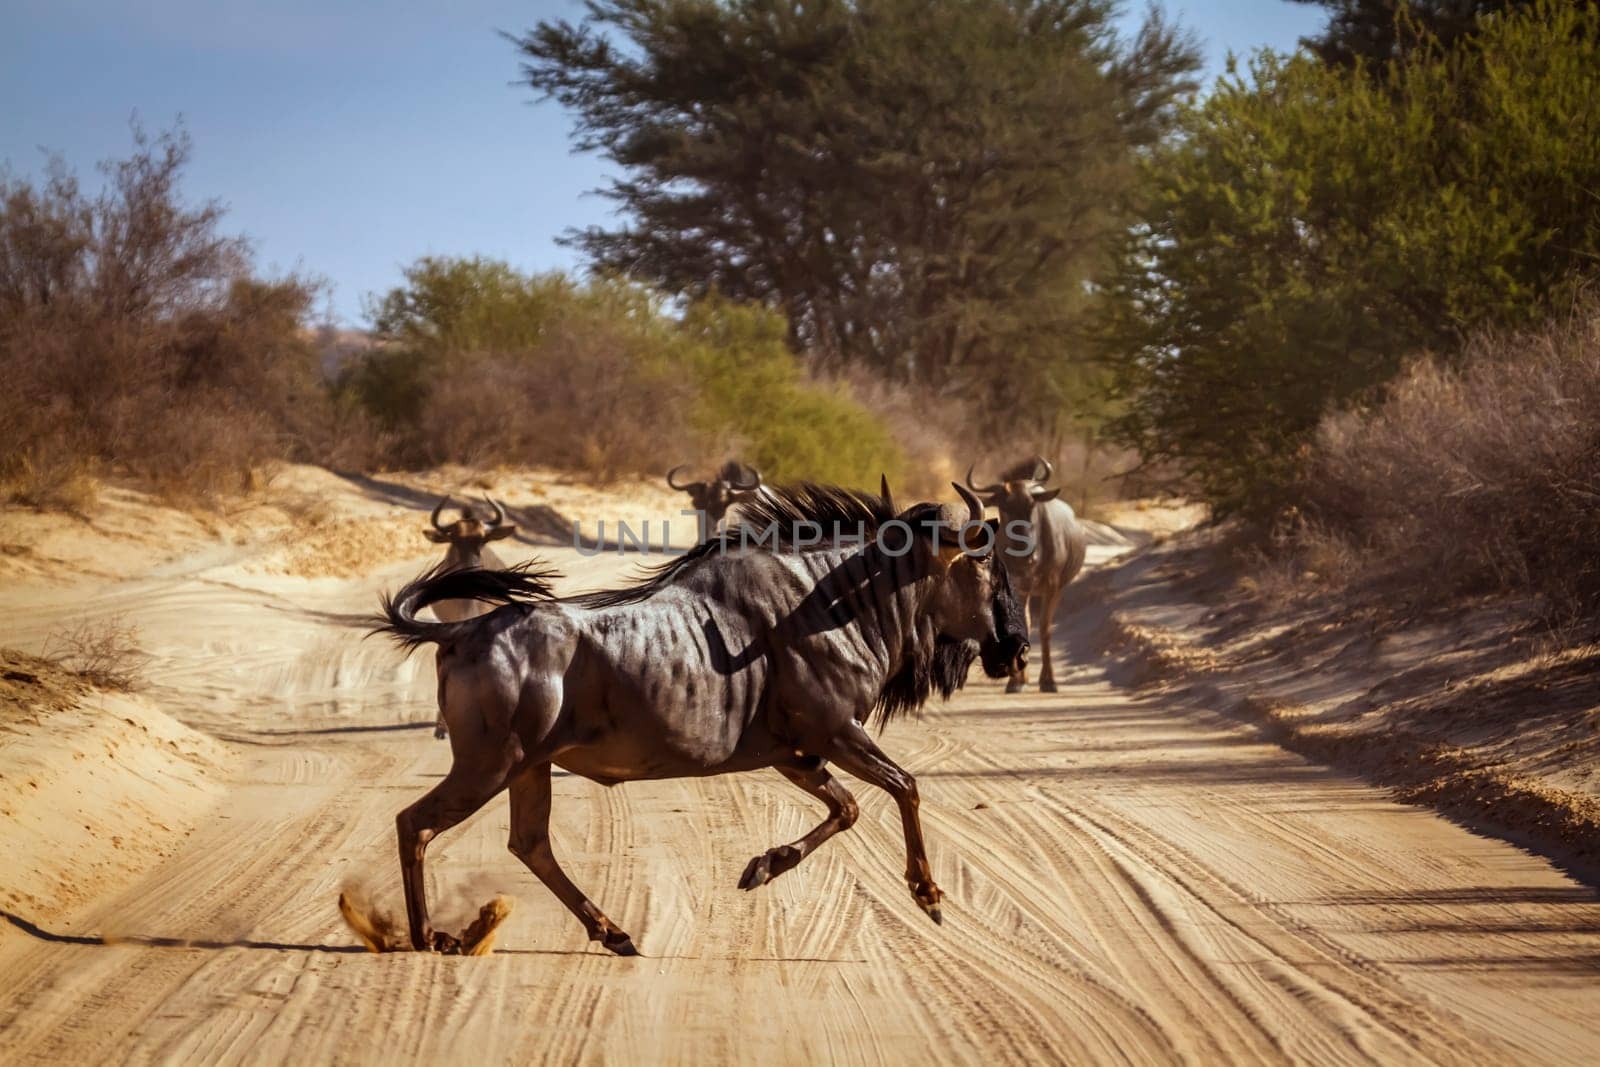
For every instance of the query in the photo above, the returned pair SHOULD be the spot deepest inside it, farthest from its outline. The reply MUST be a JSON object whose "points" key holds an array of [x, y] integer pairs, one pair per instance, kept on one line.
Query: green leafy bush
{"points": [[481, 363], [1311, 227]]}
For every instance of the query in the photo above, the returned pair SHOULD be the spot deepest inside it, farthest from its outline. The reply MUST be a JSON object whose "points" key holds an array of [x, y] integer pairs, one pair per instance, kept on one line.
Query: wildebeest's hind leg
{"points": [[853, 750], [468, 786], [530, 843], [1047, 614], [841, 816]]}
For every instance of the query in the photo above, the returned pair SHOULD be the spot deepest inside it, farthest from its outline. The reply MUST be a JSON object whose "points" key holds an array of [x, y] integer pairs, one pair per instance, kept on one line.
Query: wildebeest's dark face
{"points": [[975, 602], [713, 497], [1016, 500], [1020, 491], [469, 533], [1008, 650]]}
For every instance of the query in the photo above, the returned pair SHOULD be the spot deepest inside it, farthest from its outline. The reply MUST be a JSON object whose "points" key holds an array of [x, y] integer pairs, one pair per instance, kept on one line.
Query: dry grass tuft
{"points": [[103, 652]]}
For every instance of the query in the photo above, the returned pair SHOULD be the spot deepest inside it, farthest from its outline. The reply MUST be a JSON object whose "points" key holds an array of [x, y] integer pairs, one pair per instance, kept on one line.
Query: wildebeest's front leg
{"points": [[841, 816], [468, 786], [855, 752], [440, 732], [1049, 597], [530, 843]]}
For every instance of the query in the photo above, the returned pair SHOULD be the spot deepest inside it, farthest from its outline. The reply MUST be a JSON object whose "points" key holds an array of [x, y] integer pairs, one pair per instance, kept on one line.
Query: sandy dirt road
{"points": [[1125, 882]]}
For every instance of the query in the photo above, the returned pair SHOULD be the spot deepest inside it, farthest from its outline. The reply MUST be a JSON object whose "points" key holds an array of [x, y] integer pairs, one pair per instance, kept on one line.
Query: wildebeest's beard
{"points": [[950, 662], [939, 666], [1007, 650]]}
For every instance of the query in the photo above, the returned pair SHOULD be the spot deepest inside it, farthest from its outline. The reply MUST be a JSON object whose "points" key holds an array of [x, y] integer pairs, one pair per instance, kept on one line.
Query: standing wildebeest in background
{"points": [[468, 538], [744, 653], [733, 484], [1030, 515]]}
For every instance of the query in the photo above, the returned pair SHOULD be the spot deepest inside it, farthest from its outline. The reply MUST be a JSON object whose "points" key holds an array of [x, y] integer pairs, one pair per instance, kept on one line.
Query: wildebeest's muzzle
{"points": [[1006, 651]]}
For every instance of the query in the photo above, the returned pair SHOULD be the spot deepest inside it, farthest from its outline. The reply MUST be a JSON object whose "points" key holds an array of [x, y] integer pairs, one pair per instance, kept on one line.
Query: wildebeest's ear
{"points": [[1041, 496], [435, 536], [503, 530]]}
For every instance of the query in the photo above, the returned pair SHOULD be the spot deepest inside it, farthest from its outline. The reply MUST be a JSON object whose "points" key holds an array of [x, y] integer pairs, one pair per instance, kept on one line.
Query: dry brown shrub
{"points": [[930, 427], [942, 434], [103, 652], [134, 341], [1478, 478], [584, 401]]}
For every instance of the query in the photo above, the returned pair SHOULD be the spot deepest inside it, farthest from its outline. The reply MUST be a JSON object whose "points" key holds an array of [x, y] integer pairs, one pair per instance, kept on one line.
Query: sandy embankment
{"points": [[1472, 713], [95, 787]]}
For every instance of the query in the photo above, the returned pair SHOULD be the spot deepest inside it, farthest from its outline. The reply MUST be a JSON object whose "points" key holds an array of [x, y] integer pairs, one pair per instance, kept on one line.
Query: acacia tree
{"points": [[1377, 31], [920, 187]]}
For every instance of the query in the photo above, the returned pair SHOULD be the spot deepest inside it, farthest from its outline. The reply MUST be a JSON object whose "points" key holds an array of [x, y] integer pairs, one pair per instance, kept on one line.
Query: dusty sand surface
{"points": [[1128, 878], [1474, 707]]}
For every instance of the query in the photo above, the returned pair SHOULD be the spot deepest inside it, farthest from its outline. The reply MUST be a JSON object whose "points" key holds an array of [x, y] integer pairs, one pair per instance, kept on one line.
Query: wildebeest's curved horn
{"points": [[980, 488], [883, 491], [440, 506], [673, 471], [747, 486], [974, 505], [499, 513], [1040, 461]]}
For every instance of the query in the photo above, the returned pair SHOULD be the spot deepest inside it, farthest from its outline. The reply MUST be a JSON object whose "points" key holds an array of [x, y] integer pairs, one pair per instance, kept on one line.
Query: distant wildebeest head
{"points": [[1044, 544], [1019, 491], [732, 484], [468, 535], [771, 644]]}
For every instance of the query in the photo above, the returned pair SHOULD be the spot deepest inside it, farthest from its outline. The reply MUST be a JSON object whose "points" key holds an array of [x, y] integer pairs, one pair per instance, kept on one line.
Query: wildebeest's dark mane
{"points": [[774, 519], [786, 508]]}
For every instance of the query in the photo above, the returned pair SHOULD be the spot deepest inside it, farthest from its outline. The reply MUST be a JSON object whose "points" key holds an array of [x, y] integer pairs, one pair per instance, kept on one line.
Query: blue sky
{"points": [[348, 137]]}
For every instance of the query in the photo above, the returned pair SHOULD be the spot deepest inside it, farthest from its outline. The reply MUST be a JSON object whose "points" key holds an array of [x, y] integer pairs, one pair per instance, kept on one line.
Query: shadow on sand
{"points": [[39, 933], [537, 524]]}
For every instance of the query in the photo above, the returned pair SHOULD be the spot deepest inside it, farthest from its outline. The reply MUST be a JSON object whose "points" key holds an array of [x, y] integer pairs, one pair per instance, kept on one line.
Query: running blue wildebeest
{"points": [[1044, 546], [774, 645], [468, 538]]}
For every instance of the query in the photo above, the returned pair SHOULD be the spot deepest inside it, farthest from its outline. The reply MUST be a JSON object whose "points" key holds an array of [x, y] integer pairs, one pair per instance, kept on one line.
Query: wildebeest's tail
{"points": [[398, 612]]}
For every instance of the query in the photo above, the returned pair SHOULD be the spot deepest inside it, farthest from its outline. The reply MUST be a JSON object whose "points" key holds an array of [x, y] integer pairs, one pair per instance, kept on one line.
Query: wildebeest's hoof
{"points": [[767, 866], [1014, 686], [619, 943], [927, 896], [440, 733], [446, 944], [1047, 686]]}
